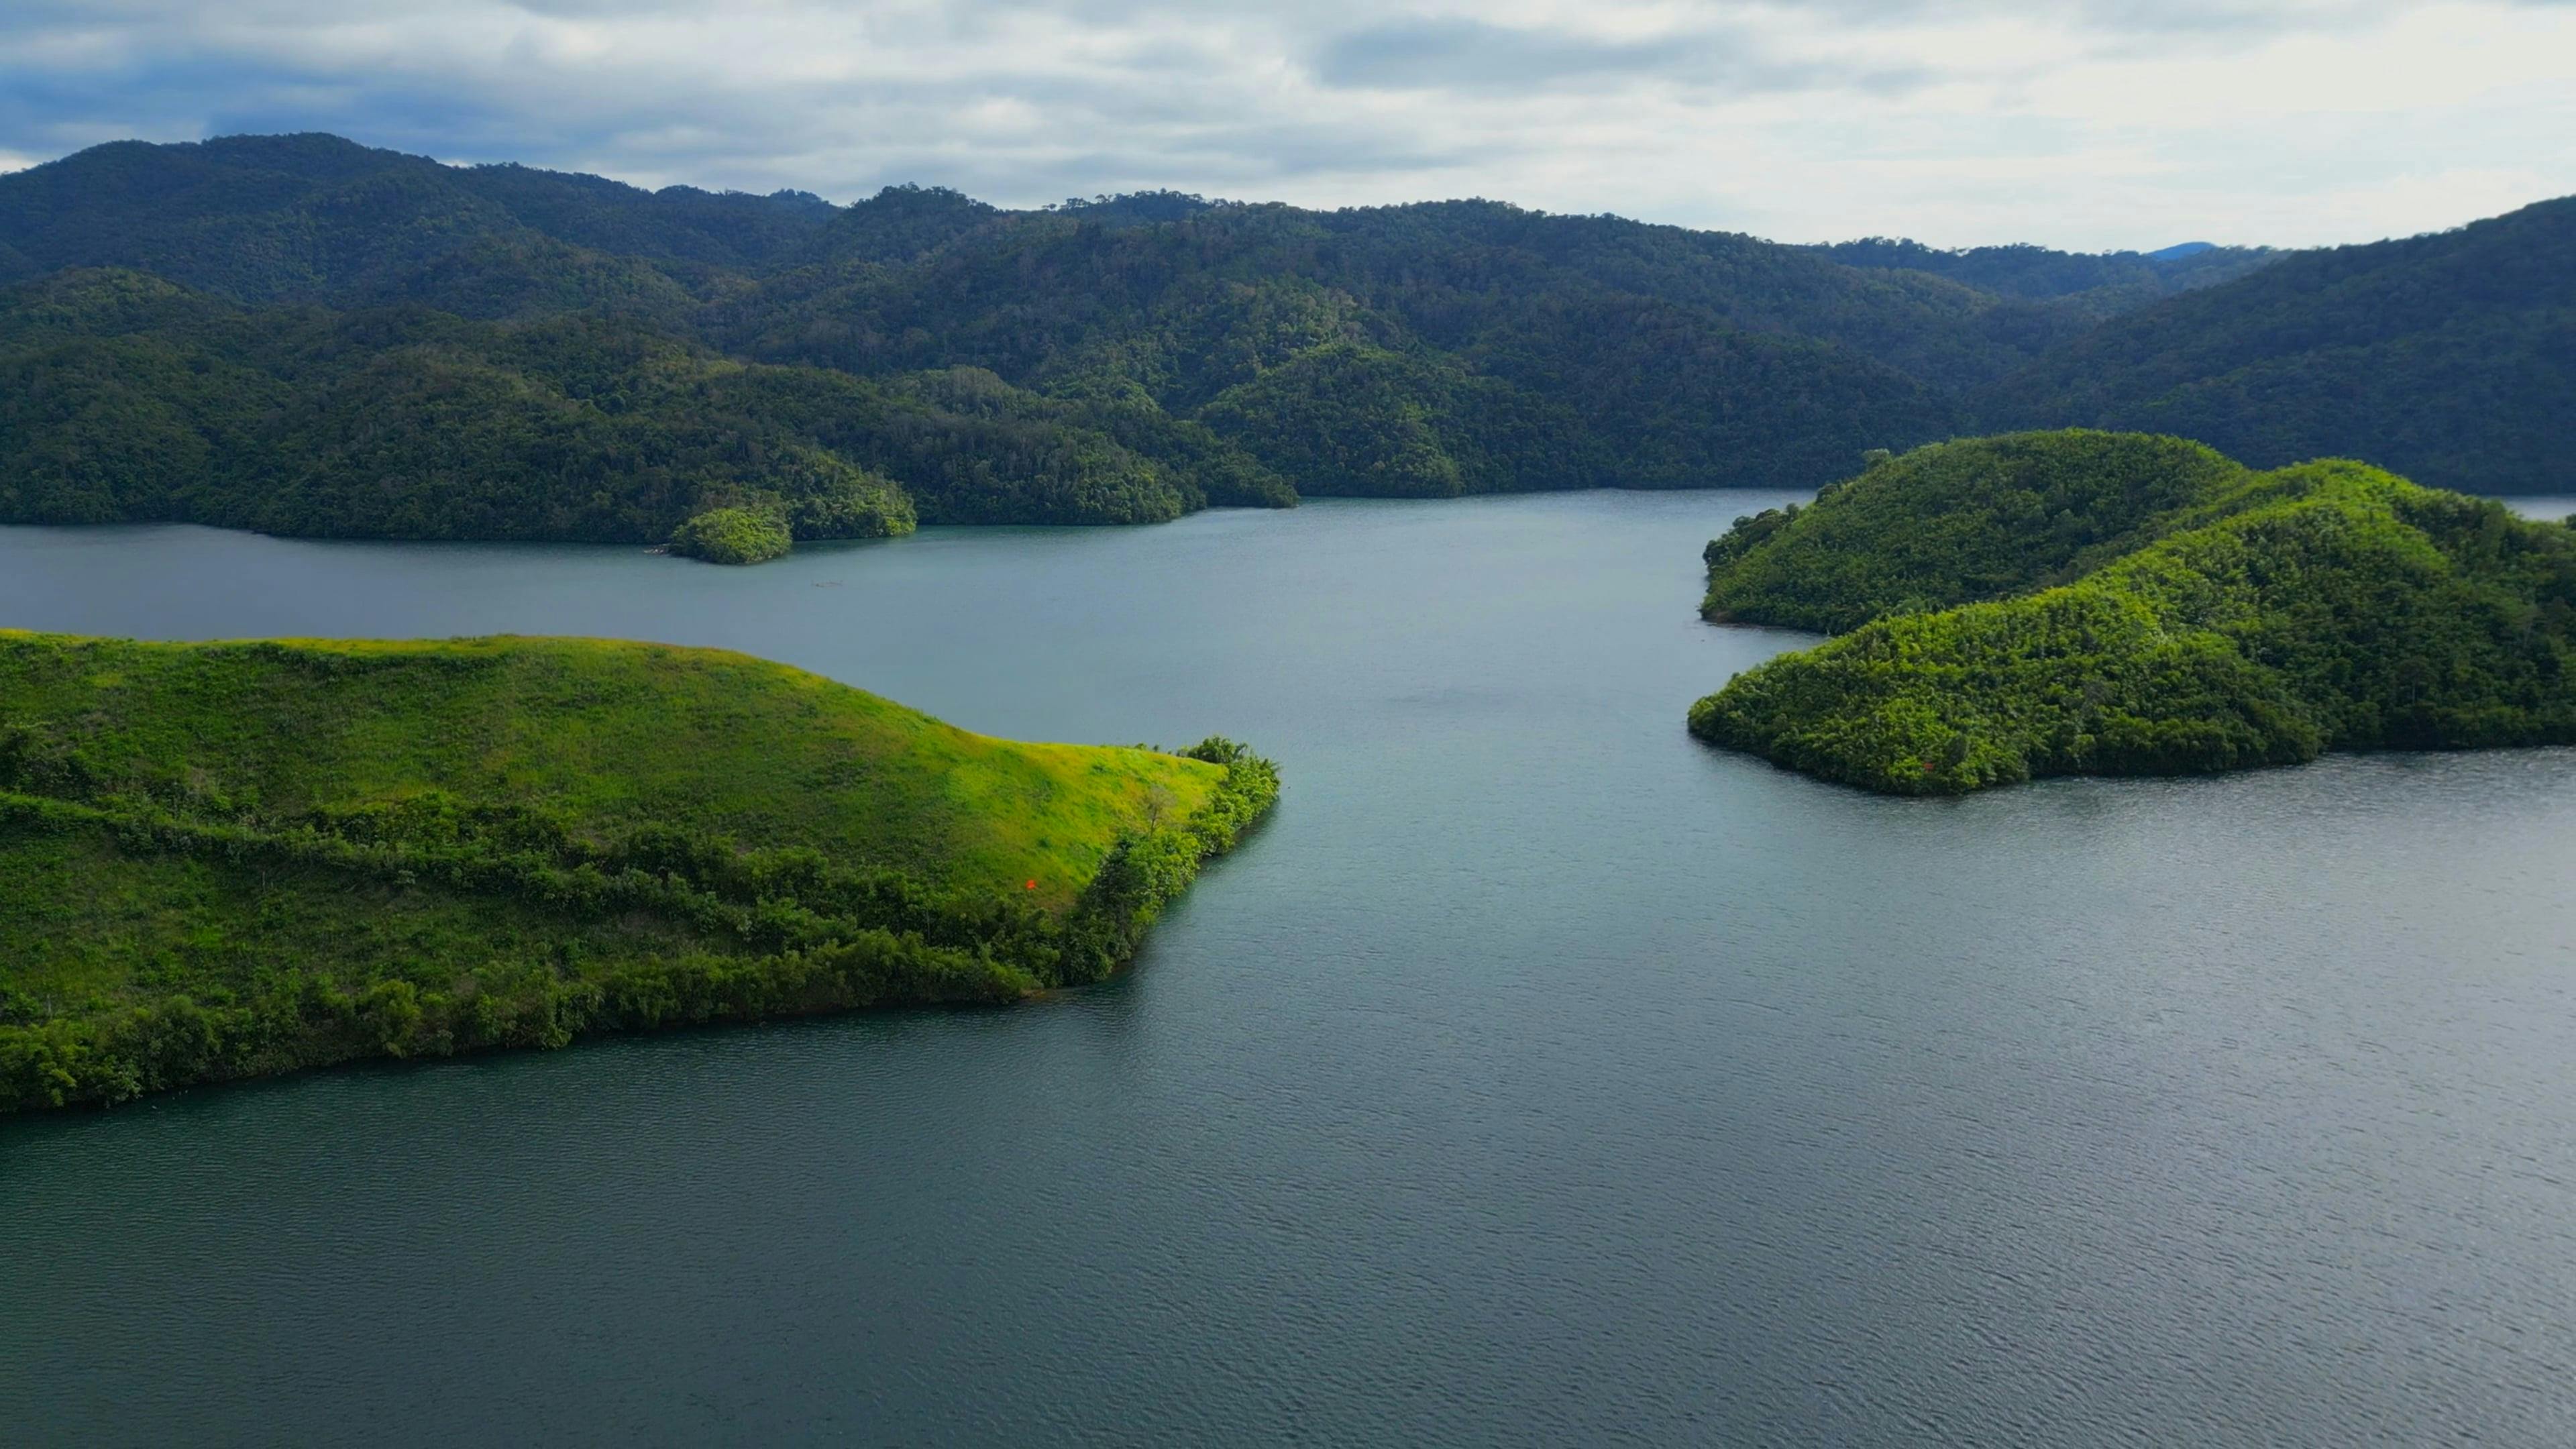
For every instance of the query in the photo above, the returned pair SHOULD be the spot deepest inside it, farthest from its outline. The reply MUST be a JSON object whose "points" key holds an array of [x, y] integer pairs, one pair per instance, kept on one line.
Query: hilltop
{"points": [[1954, 523], [2083, 603], [236, 859]]}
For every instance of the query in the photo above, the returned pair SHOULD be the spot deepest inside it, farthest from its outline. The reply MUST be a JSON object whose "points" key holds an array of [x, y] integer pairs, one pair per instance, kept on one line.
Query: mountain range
{"points": [[304, 335]]}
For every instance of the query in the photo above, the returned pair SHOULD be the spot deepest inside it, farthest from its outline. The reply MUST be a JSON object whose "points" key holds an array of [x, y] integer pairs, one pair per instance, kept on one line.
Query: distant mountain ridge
{"points": [[2450, 358], [269, 218], [1117, 359], [2098, 285]]}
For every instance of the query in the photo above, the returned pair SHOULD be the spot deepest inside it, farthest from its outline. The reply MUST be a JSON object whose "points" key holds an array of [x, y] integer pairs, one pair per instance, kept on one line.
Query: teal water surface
{"points": [[1535, 1076]]}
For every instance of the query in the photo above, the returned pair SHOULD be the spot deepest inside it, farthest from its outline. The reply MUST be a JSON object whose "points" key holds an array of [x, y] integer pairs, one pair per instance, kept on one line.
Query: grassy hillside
{"points": [[2248, 620], [2450, 358], [234, 859], [1950, 523]]}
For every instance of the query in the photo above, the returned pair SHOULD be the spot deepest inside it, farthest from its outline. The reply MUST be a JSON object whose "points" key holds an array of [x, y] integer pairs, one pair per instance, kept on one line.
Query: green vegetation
{"points": [[2450, 358], [733, 536], [2097, 285], [301, 335], [125, 398], [229, 860], [2218, 620], [1955, 522]]}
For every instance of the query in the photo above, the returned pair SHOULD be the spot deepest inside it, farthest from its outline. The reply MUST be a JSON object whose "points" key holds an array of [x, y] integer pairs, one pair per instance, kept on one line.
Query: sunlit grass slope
{"points": [[2244, 620], [228, 859], [1953, 523]]}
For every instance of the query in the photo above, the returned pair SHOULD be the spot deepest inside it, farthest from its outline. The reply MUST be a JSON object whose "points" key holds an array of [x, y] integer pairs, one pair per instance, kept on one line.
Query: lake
{"points": [[1534, 1076]]}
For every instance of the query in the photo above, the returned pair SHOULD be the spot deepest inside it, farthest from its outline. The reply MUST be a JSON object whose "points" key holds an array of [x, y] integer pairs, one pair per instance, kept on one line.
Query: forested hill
{"points": [[355, 341], [318, 218], [2450, 358], [2118, 604], [124, 397]]}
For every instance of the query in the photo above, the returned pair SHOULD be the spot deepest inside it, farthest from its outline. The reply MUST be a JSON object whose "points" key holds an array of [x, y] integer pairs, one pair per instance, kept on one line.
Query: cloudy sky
{"points": [[2086, 123]]}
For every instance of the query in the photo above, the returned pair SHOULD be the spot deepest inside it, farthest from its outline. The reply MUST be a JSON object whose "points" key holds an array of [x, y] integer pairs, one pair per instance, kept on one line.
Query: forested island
{"points": [[2124, 604], [300, 335], [230, 860]]}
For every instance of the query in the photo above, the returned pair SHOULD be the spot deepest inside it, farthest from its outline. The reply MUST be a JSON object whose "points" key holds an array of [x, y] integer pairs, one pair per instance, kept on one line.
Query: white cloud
{"points": [[2097, 124]]}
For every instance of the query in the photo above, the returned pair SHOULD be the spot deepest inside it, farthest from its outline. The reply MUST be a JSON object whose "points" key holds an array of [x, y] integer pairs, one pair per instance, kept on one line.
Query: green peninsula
{"points": [[230, 860], [2120, 604]]}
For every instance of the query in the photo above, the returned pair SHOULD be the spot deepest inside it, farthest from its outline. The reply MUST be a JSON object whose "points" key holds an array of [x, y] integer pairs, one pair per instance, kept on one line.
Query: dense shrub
{"points": [[733, 536]]}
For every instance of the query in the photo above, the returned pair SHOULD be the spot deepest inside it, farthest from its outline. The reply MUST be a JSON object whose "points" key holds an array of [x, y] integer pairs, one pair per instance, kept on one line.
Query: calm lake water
{"points": [[1535, 1076]]}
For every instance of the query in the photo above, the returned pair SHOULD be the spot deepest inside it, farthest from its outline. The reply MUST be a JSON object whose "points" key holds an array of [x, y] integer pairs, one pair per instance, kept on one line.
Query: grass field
{"points": [[229, 859]]}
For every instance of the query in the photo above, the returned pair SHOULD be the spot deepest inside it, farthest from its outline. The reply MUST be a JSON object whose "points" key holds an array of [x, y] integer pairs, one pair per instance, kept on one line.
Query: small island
{"points": [[2124, 604], [733, 536], [237, 859]]}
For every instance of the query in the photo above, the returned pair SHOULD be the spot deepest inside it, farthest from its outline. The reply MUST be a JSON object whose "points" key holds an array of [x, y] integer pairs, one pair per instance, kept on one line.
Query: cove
{"points": [[1535, 1075]]}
